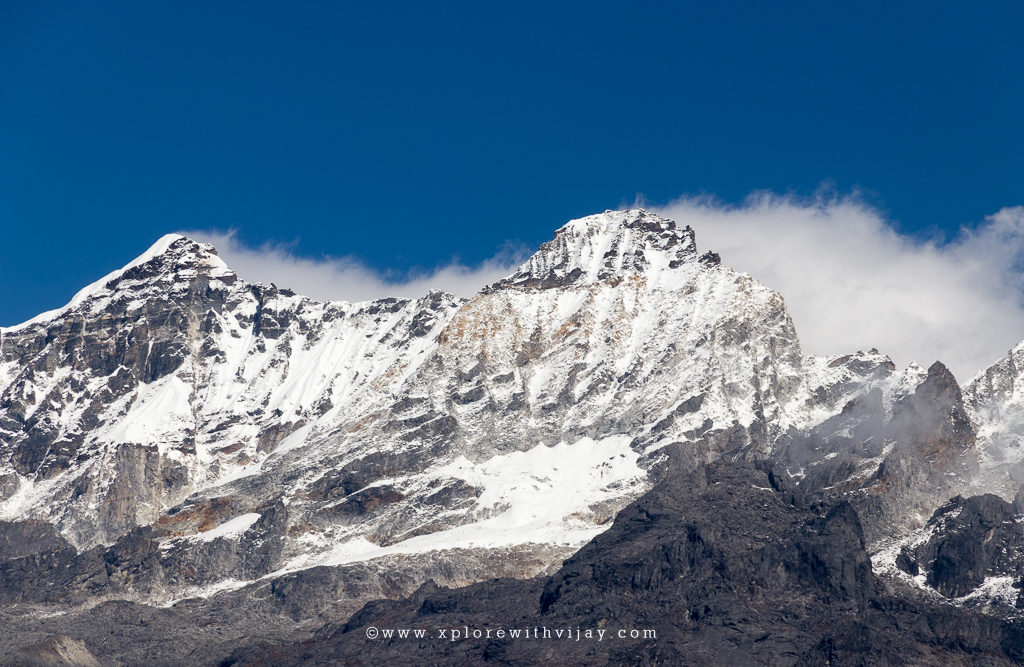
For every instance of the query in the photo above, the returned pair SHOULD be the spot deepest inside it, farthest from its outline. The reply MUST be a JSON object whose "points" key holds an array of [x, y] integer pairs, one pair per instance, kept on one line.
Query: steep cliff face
{"points": [[995, 400], [901, 445], [187, 433]]}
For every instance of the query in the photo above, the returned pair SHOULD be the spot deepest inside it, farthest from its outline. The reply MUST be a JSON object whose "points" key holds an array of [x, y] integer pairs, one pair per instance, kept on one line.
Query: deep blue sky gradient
{"points": [[410, 133]]}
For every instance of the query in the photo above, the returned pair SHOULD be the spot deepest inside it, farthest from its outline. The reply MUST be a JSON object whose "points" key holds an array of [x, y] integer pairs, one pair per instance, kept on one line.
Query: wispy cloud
{"points": [[347, 278], [851, 281]]}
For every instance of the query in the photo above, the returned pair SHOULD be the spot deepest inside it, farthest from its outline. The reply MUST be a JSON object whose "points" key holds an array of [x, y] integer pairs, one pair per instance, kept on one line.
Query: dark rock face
{"points": [[971, 539], [49, 570], [56, 650], [27, 538], [933, 421], [770, 546], [720, 564], [925, 443], [710, 259]]}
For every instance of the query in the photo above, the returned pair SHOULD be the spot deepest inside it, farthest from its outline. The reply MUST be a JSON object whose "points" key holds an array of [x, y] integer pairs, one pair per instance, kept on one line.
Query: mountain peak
{"points": [[171, 258], [161, 246], [606, 245], [172, 254]]}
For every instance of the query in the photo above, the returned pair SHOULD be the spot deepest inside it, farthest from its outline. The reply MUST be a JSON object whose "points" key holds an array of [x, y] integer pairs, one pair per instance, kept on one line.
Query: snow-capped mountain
{"points": [[171, 374], [995, 398], [178, 431]]}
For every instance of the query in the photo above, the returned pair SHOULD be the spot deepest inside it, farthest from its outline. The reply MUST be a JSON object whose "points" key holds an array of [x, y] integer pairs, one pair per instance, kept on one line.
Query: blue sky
{"points": [[408, 135]]}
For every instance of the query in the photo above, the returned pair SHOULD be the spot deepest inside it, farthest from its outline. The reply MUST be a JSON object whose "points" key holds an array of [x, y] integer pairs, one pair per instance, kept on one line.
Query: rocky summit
{"points": [[623, 434]]}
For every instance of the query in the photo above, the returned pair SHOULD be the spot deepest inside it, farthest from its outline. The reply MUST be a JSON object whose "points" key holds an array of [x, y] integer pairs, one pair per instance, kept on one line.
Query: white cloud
{"points": [[852, 282], [347, 278]]}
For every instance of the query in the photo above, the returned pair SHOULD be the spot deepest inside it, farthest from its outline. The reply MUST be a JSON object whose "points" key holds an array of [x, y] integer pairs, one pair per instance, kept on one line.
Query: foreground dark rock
{"points": [[722, 564], [970, 540]]}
